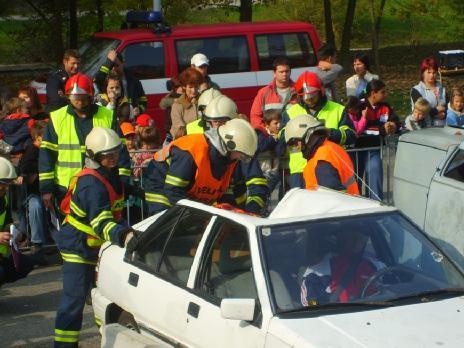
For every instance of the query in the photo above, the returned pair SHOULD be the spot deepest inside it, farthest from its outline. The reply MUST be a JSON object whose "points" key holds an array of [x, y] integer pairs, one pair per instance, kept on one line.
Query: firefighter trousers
{"points": [[78, 279]]}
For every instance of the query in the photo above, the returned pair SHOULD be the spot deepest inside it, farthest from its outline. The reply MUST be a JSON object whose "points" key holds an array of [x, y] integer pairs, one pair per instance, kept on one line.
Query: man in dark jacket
{"points": [[57, 80], [132, 88]]}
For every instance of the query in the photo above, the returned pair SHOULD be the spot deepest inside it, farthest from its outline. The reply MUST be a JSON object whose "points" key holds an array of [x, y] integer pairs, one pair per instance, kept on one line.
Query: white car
{"points": [[325, 269]]}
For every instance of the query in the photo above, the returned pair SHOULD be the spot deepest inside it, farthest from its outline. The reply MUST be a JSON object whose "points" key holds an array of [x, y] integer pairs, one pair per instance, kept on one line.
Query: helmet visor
{"points": [[110, 151], [78, 97]]}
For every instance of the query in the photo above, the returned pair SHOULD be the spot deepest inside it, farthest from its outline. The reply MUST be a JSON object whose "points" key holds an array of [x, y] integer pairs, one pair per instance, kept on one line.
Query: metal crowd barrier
{"points": [[387, 151], [387, 154]]}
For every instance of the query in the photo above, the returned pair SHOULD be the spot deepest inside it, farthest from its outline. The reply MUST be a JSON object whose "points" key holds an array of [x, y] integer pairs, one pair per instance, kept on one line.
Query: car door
{"points": [[415, 167], [225, 271], [445, 206], [163, 264]]}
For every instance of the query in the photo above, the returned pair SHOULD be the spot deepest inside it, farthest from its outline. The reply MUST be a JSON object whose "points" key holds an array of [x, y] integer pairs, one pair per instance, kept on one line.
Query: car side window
{"points": [[226, 54], [226, 270], [154, 239], [145, 60], [182, 246], [297, 47], [455, 169]]}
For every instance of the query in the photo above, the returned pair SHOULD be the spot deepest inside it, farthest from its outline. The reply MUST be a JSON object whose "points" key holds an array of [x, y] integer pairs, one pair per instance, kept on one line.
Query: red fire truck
{"points": [[240, 55]]}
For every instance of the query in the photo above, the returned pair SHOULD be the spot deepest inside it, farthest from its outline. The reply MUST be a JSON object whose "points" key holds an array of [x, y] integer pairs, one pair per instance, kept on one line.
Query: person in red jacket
{"points": [[277, 95], [381, 121]]}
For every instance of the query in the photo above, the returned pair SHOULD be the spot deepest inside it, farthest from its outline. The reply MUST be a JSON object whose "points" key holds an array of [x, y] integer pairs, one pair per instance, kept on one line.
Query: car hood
{"points": [[433, 324]]}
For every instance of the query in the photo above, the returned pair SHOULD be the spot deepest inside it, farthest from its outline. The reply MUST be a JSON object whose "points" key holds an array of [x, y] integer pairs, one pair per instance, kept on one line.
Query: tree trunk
{"points": [[56, 31], [376, 19], [346, 35], [100, 15], [73, 24], [246, 10], [329, 32]]}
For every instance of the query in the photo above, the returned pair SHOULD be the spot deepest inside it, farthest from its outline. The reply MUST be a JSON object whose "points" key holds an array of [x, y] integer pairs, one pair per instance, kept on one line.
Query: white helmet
{"points": [[221, 107], [206, 96], [7, 171], [239, 135], [300, 126], [101, 140]]}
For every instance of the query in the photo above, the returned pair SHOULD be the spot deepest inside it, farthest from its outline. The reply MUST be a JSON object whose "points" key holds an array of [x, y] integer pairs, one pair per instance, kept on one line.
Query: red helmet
{"points": [[79, 84], [308, 83]]}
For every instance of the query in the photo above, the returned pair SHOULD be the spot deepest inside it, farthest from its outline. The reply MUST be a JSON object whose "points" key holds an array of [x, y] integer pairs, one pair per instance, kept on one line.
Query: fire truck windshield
{"points": [[93, 54]]}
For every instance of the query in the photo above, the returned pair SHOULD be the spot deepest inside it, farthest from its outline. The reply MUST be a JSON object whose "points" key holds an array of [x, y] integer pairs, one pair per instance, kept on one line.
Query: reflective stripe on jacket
{"points": [[206, 188], [70, 150], [70, 209], [339, 159], [4, 249], [331, 114]]}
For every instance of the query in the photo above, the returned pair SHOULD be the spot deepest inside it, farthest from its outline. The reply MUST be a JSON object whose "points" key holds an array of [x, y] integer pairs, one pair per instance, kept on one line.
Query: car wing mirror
{"points": [[238, 308]]}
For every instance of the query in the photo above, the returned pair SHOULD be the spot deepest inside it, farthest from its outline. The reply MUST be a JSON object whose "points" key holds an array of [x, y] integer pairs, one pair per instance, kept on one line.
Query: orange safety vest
{"points": [[116, 203], [339, 159], [206, 188]]}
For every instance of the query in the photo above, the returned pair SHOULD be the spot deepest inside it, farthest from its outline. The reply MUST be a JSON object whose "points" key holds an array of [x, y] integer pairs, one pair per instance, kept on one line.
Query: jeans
{"points": [[369, 164], [296, 180], [35, 211]]}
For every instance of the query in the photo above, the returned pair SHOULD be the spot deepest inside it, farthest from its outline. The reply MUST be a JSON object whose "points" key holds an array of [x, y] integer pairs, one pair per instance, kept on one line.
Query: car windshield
{"points": [[93, 54], [374, 258]]}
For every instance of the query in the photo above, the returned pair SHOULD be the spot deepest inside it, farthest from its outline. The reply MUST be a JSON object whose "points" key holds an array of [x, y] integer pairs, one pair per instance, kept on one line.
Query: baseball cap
{"points": [[127, 128], [145, 120], [199, 59]]}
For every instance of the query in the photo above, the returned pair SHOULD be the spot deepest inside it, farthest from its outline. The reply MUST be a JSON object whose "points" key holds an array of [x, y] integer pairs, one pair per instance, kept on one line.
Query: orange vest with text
{"points": [[206, 188], [339, 159]]}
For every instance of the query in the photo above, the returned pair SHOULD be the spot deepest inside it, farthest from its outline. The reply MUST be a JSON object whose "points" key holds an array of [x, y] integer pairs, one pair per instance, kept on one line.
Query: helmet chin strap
{"points": [[92, 164], [213, 136]]}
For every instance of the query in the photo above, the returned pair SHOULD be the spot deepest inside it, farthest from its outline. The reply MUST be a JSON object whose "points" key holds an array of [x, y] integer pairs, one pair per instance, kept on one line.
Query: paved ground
{"points": [[27, 311]]}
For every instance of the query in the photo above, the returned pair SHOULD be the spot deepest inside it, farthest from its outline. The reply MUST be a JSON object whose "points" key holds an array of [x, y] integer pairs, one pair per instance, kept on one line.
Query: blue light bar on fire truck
{"points": [[148, 18], [144, 17]]}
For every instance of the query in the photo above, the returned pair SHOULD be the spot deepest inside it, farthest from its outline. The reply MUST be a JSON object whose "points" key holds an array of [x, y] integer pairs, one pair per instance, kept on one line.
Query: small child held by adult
{"points": [[15, 127], [149, 138], [420, 117], [358, 117], [455, 113], [269, 147]]}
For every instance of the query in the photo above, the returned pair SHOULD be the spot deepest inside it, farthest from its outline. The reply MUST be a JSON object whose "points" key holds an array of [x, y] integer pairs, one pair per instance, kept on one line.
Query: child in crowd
{"points": [[112, 96], [358, 117], [143, 120], [149, 141], [34, 107], [420, 117], [128, 131], [15, 128], [268, 147], [29, 178], [455, 113]]}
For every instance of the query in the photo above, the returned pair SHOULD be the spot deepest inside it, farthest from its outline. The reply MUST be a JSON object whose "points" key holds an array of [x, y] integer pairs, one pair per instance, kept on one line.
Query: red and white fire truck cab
{"points": [[240, 55]]}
